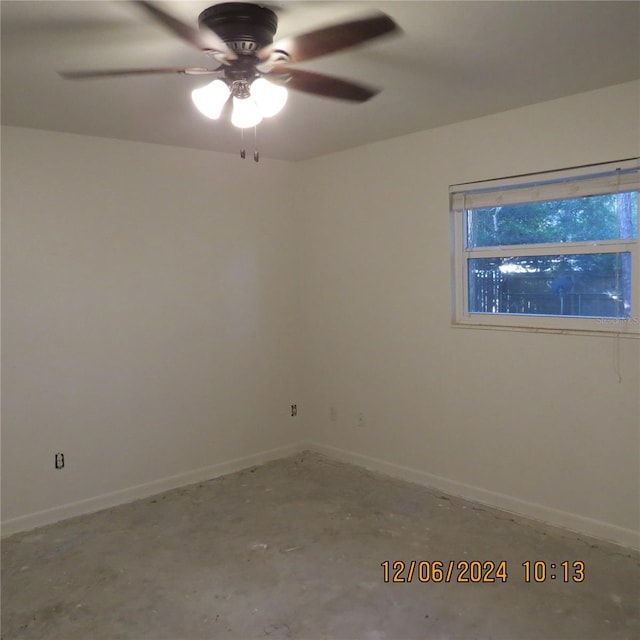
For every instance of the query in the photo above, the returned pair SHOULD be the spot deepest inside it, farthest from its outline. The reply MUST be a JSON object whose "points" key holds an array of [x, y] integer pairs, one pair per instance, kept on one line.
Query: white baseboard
{"points": [[579, 524], [104, 501], [576, 523]]}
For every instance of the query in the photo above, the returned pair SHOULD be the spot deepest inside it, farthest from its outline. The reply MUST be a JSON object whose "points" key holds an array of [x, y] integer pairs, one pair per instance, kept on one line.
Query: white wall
{"points": [[534, 423], [150, 319], [163, 307]]}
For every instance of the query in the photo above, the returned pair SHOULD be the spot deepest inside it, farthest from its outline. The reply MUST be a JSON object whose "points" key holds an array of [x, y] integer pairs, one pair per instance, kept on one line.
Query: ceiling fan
{"points": [[252, 69]]}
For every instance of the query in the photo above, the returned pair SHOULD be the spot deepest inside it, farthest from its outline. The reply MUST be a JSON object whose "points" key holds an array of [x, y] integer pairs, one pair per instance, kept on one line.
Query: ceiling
{"points": [[455, 61]]}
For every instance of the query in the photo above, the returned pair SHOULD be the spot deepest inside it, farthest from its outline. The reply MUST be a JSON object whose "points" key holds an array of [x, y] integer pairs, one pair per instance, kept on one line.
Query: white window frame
{"points": [[592, 180]]}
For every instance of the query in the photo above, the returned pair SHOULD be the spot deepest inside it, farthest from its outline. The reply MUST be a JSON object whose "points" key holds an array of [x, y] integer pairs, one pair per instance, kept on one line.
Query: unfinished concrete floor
{"points": [[293, 549]]}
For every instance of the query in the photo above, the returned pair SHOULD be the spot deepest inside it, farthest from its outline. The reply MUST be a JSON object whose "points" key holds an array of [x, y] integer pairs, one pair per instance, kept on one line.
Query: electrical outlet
{"points": [[361, 420], [59, 460], [333, 414], [294, 410]]}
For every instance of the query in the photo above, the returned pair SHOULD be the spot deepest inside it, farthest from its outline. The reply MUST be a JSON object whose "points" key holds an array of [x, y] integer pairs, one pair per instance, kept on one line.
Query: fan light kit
{"points": [[262, 99], [252, 72]]}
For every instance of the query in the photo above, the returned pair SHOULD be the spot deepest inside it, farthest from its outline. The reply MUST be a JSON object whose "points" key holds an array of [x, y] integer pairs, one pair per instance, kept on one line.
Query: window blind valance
{"points": [[613, 177]]}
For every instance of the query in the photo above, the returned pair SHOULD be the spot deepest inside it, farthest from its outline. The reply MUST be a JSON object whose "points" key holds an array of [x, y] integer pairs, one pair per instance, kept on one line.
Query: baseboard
{"points": [[576, 523], [579, 524], [104, 501]]}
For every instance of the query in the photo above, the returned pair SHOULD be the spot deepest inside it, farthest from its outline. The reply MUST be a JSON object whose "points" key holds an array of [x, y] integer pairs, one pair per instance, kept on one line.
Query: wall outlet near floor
{"points": [[294, 410], [361, 420], [59, 460], [333, 414]]}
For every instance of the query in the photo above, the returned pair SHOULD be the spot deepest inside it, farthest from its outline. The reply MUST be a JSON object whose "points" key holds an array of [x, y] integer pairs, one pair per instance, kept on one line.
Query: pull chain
{"points": [[243, 151], [256, 154], [616, 358]]}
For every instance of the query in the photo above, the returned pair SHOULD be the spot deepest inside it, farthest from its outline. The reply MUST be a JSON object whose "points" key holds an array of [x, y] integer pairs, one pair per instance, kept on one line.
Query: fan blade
{"points": [[322, 85], [330, 39], [208, 41], [108, 73]]}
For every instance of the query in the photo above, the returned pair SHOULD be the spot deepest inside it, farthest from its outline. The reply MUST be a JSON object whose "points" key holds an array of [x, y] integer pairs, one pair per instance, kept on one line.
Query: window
{"points": [[556, 251]]}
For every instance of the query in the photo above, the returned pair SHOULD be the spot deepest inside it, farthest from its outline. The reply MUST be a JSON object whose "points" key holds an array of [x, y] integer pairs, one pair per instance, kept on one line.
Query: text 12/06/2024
{"points": [[480, 571]]}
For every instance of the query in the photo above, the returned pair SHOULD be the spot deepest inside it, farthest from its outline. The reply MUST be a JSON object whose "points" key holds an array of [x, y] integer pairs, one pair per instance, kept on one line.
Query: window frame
{"points": [[462, 317]]}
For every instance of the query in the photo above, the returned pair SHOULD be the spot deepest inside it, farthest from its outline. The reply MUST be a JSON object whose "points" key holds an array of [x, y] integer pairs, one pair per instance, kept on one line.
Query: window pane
{"points": [[604, 217], [583, 285]]}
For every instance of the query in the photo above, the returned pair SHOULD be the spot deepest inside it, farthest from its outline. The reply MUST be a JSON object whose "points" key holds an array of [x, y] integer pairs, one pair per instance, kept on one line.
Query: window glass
{"points": [[591, 285], [611, 216]]}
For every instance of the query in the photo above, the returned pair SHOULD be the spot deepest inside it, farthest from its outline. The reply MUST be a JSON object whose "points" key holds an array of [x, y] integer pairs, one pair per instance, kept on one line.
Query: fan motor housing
{"points": [[243, 26]]}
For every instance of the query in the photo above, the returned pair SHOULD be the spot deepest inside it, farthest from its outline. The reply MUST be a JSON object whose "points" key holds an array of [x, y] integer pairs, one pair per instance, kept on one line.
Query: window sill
{"points": [[623, 332]]}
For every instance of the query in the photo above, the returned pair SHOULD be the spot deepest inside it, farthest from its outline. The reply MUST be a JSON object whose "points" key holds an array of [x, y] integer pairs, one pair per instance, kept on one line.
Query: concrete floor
{"points": [[293, 549]]}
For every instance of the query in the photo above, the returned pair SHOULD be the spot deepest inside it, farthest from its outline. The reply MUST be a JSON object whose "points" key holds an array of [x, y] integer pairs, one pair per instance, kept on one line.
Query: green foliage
{"points": [[603, 217]]}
